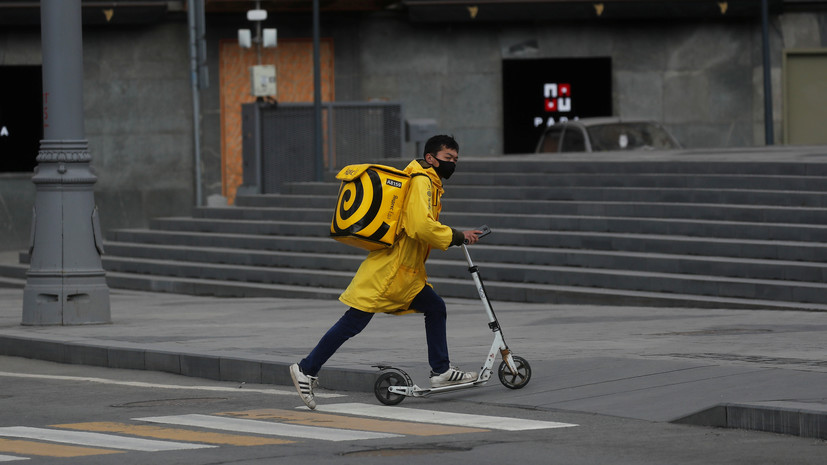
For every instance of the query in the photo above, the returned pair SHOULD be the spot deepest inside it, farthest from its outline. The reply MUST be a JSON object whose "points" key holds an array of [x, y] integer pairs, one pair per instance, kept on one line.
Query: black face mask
{"points": [[445, 168]]}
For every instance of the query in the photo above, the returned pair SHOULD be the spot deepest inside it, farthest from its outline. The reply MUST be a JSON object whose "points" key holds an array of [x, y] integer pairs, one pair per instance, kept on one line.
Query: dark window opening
{"points": [[21, 117]]}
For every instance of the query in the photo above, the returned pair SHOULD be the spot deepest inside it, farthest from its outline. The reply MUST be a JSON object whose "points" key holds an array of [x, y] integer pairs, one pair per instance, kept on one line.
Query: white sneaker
{"points": [[452, 376], [304, 385]]}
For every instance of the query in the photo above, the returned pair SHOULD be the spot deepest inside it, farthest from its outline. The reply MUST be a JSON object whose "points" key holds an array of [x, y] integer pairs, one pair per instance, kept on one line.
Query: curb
{"points": [[198, 365], [791, 418]]}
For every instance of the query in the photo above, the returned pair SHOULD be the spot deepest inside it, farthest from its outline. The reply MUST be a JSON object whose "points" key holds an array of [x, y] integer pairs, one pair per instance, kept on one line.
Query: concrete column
{"points": [[65, 284]]}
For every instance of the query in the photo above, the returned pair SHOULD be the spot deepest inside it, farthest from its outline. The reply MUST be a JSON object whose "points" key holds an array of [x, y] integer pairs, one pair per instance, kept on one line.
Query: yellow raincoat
{"points": [[389, 279]]}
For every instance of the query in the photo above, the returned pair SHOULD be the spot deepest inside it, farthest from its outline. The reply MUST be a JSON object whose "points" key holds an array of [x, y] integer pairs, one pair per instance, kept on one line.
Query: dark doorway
{"points": [[21, 117]]}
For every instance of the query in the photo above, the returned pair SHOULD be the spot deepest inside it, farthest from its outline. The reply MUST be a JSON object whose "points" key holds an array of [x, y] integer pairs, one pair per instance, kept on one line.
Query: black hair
{"points": [[437, 143]]}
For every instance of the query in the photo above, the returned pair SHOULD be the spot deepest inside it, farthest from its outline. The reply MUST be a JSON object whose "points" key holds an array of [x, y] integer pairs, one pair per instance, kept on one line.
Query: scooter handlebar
{"points": [[485, 231]]}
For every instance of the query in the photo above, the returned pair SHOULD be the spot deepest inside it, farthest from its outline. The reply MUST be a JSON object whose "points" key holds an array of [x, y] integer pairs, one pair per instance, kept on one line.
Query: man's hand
{"points": [[472, 236]]}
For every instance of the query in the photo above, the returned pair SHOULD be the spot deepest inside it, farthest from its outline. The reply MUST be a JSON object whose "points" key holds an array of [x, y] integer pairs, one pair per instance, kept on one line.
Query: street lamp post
{"points": [[65, 284]]}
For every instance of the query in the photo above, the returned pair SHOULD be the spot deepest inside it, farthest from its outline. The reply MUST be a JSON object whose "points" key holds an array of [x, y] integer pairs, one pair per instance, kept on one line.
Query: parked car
{"points": [[605, 134]]}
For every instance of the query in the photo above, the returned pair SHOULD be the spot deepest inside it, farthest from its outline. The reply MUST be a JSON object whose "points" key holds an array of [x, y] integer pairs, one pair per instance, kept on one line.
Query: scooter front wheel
{"points": [[386, 380], [515, 380]]}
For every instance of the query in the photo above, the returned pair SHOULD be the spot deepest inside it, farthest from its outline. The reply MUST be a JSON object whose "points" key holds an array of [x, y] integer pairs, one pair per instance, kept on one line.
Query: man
{"points": [[393, 280]]}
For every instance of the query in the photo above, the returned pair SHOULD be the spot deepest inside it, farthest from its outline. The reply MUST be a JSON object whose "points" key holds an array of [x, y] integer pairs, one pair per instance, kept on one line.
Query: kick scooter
{"points": [[393, 384]]}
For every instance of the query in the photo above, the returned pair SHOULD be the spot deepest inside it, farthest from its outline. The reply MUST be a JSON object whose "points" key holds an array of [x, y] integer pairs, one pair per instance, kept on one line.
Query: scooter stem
{"points": [[467, 256], [475, 274]]}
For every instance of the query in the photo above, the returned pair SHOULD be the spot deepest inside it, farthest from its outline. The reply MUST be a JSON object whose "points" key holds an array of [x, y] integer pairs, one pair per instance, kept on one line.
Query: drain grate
{"points": [[179, 402]]}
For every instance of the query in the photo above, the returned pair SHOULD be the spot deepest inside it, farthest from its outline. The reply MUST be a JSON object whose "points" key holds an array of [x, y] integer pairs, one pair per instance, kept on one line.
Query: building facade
{"points": [[698, 70]]}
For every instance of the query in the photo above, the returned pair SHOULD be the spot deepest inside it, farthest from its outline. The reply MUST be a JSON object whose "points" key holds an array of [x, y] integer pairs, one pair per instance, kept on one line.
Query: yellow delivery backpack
{"points": [[368, 211]]}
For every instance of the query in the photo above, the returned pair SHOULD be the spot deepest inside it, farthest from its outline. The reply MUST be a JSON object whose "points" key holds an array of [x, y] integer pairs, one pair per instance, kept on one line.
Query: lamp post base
{"points": [[66, 300]]}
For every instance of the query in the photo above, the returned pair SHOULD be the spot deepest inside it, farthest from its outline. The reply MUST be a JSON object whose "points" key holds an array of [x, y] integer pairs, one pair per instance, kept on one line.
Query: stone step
{"points": [[11, 283], [322, 196], [225, 255], [234, 241], [550, 294], [657, 226], [218, 288], [687, 245], [688, 162], [610, 180], [13, 275], [183, 285], [651, 180], [520, 292], [323, 210], [676, 163], [286, 201], [560, 294], [308, 214], [715, 286], [282, 228], [13, 272], [500, 261], [330, 189], [227, 272], [678, 245]]}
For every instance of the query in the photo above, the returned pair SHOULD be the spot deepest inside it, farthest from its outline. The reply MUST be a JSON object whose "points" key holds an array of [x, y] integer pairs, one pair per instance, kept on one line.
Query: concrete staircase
{"points": [[669, 232]]}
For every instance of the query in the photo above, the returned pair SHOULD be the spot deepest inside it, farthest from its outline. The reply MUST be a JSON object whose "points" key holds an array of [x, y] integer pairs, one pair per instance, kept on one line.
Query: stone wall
{"points": [[138, 121], [138, 115], [16, 203], [702, 79]]}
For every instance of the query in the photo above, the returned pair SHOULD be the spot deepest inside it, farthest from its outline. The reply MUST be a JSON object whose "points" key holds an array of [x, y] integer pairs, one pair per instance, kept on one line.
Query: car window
{"points": [[573, 141], [551, 141], [630, 136]]}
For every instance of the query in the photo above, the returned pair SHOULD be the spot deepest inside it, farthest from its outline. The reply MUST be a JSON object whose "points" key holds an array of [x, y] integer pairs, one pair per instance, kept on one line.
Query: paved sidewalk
{"points": [[754, 369]]}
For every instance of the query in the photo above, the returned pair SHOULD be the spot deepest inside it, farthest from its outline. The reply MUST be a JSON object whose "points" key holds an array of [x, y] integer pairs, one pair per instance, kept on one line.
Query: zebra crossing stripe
{"points": [[442, 418], [96, 439], [174, 434], [21, 447], [346, 422], [267, 427]]}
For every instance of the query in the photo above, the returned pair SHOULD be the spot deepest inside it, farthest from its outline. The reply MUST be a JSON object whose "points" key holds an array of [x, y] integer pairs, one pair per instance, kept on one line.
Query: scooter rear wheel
{"points": [[386, 380], [515, 380]]}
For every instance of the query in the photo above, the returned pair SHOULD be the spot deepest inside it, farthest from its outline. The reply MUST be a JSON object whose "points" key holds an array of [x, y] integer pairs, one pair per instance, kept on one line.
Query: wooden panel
{"points": [[294, 78]]}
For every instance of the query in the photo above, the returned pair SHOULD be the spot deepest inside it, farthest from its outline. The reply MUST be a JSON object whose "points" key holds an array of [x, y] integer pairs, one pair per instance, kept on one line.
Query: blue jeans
{"points": [[354, 321]]}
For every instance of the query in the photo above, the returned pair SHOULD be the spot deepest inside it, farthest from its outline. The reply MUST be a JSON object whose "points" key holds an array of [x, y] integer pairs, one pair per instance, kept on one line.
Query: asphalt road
{"points": [[159, 418]]}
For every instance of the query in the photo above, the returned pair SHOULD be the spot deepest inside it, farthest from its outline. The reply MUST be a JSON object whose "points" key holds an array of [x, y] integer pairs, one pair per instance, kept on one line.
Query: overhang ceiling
{"points": [[100, 12], [458, 11]]}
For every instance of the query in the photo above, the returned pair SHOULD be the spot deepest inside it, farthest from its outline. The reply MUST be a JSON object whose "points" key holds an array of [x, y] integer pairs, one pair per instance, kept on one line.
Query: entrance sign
{"points": [[540, 92]]}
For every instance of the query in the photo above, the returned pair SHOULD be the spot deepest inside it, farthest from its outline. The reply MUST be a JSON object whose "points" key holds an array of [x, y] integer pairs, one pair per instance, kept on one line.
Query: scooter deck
{"points": [[416, 391]]}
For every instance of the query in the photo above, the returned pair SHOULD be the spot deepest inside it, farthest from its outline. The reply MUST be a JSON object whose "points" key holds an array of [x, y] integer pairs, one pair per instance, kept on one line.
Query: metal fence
{"points": [[278, 140]]}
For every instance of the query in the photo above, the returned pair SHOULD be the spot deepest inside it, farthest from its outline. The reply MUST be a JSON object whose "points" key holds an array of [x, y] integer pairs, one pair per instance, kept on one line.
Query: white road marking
{"points": [[9, 458], [161, 386], [107, 441], [442, 418], [267, 427]]}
